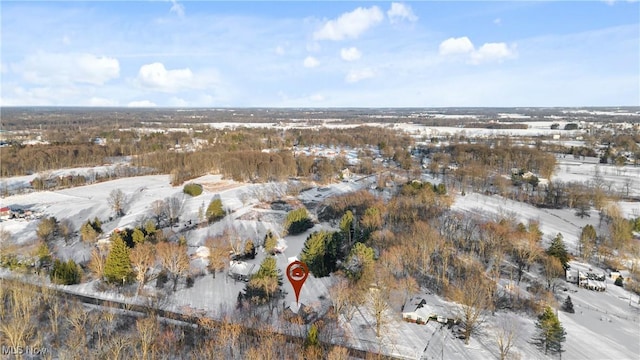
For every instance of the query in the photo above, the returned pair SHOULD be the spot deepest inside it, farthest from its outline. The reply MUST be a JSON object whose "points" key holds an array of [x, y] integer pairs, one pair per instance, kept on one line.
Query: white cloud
{"points": [[66, 40], [157, 77], [357, 75], [456, 46], [497, 21], [492, 52], [59, 69], [177, 8], [350, 25], [311, 62], [350, 54], [399, 12], [141, 103], [279, 50], [98, 101], [488, 52]]}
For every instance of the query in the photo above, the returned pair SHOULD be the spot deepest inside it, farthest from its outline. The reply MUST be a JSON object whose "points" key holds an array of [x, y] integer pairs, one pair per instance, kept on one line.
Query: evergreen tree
{"points": [[312, 337], [619, 281], [97, 224], [550, 334], [567, 306], [65, 273], [360, 261], [313, 253], [117, 267], [88, 233], [558, 250], [44, 255], [346, 226], [138, 236], [265, 283], [249, 250], [269, 268], [297, 221]]}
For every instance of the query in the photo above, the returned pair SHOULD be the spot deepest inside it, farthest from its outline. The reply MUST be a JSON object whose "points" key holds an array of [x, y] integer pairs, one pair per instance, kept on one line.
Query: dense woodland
{"points": [[396, 239]]}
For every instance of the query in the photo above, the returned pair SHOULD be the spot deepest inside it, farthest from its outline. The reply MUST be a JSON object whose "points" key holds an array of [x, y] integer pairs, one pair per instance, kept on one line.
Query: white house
{"points": [[240, 270]]}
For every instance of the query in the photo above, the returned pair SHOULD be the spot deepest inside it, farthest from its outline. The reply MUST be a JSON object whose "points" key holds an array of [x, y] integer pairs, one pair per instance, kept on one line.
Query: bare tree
{"points": [[473, 296], [343, 298], [16, 327], [525, 250], [174, 208], [159, 210], [55, 312], [378, 297], [378, 306], [174, 259], [117, 346], [65, 227], [143, 259], [506, 335], [77, 317], [218, 254], [338, 353], [552, 269], [47, 228], [147, 330], [117, 200], [97, 262]]}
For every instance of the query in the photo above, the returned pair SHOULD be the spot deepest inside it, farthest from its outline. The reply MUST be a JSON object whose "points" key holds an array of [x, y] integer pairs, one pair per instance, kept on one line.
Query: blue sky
{"points": [[320, 53]]}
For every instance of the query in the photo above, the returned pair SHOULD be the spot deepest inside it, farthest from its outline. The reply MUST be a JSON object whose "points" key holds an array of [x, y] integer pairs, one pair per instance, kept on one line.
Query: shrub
{"points": [[190, 282], [619, 281], [192, 189]]}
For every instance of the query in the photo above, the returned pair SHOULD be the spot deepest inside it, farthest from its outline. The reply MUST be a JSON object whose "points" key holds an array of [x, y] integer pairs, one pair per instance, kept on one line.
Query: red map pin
{"points": [[297, 273]]}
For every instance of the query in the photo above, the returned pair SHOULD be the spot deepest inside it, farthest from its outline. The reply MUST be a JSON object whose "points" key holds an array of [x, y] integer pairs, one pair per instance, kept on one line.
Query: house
{"points": [[202, 252], [571, 276], [240, 270], [5, 213], [417, 310], [615, 275]]}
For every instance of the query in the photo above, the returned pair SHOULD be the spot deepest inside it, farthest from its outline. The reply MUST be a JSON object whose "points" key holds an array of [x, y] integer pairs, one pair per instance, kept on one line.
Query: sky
{"points": [[320, 53]]}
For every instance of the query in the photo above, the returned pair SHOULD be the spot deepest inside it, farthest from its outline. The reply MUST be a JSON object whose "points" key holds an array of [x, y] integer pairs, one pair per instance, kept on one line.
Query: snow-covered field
{"points": [[619, 179]]}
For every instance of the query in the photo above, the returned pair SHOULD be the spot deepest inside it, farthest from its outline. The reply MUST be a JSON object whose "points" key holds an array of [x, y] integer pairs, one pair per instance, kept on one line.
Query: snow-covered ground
{"points": [[605, 325], [620, 179]]}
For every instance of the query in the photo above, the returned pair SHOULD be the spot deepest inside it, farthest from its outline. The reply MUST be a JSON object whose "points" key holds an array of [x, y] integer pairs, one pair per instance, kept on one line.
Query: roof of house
{"points": [[418, 306], [240, 267]]}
